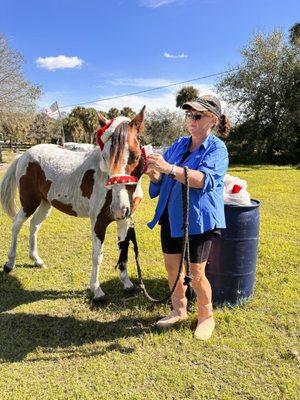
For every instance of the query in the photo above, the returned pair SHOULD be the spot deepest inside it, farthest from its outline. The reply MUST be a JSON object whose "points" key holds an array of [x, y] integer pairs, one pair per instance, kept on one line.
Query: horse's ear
{"points": [[138, 120], [102, 120]]}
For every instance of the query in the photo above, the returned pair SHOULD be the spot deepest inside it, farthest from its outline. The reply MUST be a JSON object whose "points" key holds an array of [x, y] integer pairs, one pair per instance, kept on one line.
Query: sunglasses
{"points": [[194, 117]]}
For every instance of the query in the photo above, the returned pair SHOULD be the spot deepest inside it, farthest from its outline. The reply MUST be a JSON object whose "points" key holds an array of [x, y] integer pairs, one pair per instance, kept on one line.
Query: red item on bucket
{"points": [[236, 188]]}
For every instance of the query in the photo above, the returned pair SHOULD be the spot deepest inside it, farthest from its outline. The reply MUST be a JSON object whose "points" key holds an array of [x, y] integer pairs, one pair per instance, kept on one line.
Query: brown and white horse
{"points": [[76, 184]]}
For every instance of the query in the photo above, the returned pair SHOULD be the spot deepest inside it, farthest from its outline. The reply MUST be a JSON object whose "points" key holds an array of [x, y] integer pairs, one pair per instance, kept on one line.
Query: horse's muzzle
{"points": [[123, 213]]}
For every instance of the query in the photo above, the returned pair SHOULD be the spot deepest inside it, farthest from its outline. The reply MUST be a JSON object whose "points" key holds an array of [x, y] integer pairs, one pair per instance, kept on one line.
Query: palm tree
{"points": [[295, 34], [128, 112], [187, 93], [113, 113]]}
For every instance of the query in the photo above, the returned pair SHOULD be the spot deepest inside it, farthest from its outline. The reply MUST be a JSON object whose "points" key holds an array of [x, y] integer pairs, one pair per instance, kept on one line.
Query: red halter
{"points": [[121, 179]]}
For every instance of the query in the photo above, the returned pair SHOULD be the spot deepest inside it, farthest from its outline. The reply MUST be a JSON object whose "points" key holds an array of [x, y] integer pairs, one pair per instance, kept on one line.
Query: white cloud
{"points": [[155, 3], [59, 62], [168, 55], [160, 3], [136, 102], [165, 98], [140, 82]]}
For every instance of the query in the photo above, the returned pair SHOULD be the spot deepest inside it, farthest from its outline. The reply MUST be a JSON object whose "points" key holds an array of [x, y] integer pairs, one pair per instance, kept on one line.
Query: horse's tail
{"points": [[8, 188]]}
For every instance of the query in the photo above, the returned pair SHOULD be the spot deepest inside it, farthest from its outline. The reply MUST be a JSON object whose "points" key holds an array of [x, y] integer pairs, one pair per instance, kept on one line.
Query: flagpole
{"points": [[62, 126]]}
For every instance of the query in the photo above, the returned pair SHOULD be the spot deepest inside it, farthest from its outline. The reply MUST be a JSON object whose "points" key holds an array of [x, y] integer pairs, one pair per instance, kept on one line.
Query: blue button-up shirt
{"points": [[206, 210]]}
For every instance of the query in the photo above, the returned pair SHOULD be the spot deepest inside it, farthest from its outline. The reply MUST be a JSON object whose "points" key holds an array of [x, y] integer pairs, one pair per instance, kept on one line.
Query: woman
{"points": [[207, 159]]}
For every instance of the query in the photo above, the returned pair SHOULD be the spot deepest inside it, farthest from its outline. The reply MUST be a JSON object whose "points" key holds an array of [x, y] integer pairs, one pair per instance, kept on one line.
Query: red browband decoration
{"points": [[101, 131], [122, 179]]}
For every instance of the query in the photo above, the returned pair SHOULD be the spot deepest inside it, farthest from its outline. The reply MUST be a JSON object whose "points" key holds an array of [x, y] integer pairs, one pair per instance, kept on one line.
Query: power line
{"points": [[149, 90]]}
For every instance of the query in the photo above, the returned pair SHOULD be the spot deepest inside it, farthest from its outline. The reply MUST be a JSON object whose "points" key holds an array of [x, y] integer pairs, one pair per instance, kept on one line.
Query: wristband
{"points": [[172, 173]]}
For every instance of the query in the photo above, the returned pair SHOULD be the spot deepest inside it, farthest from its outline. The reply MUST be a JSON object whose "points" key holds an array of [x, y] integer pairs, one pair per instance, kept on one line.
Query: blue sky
{"points": [[114, 47]]}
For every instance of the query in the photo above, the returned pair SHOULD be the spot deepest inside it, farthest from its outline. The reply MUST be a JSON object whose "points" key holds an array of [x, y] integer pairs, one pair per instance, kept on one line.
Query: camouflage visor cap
{"points": [[205, 103]]}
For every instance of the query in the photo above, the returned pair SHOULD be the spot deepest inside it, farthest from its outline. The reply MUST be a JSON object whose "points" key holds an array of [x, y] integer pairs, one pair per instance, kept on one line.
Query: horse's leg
{"points": [[39, 216], [19, 219], [98, 234], [95, 288], [123, 242]]}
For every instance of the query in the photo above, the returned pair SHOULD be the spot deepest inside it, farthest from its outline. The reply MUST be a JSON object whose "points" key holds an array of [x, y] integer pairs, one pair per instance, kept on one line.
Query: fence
{"points": [[15, 146]]}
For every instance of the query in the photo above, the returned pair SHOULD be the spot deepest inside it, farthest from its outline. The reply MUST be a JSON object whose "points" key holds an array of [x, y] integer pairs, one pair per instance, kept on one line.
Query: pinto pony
{"points": [[102, 184]]}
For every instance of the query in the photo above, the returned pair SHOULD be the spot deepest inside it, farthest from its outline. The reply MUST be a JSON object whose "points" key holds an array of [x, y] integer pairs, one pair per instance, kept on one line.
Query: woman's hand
{"points": [[156, 162], [155, 176]]}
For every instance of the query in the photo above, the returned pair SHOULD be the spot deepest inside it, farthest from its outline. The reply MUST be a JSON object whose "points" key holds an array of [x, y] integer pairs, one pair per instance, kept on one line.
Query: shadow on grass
{"points": [[12, 293], [27, 266], [23, 333]]}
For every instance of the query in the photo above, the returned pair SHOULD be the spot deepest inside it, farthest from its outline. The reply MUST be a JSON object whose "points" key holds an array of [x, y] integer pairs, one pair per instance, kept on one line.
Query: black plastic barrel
{"points": [[231, 265]]}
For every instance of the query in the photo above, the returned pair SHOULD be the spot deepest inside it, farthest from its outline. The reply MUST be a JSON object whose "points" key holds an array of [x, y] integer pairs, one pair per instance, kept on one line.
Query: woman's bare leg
{"points": [[179, 301], [203, 291]]}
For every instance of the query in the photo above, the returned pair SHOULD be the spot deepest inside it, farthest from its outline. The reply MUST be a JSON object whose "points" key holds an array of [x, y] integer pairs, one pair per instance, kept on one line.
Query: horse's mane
{"points": [[118, 145]]}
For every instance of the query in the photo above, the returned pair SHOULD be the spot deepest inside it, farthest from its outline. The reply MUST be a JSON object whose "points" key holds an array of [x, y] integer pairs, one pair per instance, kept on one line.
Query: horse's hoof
{"points": [[7, 269], [41, 266], [100, 301], [131, 290], [38, 263]]}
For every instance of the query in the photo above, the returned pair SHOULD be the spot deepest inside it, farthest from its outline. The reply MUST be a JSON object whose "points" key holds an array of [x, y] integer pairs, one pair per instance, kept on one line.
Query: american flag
{"points": [[52, 111]]}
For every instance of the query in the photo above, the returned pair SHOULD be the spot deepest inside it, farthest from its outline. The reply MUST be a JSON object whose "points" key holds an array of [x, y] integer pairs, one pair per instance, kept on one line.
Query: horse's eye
{"points": [[133, 158]]}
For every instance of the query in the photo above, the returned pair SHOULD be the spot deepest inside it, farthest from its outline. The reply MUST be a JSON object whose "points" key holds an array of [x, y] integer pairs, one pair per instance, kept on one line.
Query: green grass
{"points": [[54, 345]]}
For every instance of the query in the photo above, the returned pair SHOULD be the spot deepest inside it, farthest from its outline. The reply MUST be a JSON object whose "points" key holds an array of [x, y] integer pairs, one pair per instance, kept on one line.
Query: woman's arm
{"points": [[212, 168], [157, 163], [196, 178]]}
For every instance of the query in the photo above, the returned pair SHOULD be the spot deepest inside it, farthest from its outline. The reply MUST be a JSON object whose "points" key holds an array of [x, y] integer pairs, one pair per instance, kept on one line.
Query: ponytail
{"points": [[224, 126]]}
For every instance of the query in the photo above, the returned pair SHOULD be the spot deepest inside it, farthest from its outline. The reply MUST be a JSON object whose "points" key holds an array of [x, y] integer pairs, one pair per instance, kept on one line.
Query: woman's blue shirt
{"points": [[206, 204]]}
